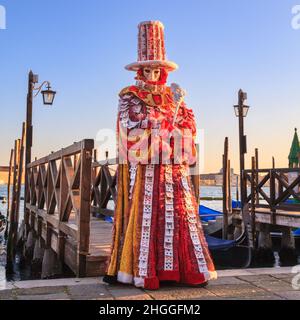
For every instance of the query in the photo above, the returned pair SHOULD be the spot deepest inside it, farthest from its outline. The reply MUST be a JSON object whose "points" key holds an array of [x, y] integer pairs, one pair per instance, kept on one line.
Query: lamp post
{"points": [[241, 111], [48, 98]]}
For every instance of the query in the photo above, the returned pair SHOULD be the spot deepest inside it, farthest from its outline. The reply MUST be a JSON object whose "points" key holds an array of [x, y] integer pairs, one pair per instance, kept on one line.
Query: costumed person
{"points": [[157, 232]]}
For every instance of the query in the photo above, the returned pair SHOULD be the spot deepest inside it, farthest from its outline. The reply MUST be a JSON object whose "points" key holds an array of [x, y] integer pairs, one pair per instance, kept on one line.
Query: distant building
{"points": [[216, 179], [3, 175]]}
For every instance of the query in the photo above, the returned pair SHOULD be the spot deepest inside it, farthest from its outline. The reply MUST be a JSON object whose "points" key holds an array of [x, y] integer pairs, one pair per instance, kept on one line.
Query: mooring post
{"points": [[10, 248], [38, 252], [196, 176], [256, 175], [85, 207], [51, 265], [287, 252], [9, 192], [225, 190], [19, 186], [31, 238]]}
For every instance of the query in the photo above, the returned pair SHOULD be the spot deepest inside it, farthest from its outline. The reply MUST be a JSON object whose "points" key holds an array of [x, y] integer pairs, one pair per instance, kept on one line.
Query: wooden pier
{"points": [[272, 205], [274, 188], [58, 209]]}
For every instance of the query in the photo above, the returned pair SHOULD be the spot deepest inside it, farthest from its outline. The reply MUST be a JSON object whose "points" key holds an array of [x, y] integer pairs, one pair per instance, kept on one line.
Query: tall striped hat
{"points": [[151, 47]]}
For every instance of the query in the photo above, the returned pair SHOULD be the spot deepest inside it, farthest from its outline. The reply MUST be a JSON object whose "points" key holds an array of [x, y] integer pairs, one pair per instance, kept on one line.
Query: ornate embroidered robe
{"points": [[157, 233]]}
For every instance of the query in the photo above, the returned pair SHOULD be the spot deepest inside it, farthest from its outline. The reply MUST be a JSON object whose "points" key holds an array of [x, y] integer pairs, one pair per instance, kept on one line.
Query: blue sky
{"points": [[220, 46]]}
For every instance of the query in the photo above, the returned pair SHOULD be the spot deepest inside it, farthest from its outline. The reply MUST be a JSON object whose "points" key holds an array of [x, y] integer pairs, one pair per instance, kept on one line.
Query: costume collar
{"points": [[150, 97]]}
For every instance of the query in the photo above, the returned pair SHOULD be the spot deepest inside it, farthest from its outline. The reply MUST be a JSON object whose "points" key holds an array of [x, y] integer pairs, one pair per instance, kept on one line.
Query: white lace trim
{"points": [[125, 277], [169, 219], [132, 171], [146, 224], [139, 282], [192, 223]]}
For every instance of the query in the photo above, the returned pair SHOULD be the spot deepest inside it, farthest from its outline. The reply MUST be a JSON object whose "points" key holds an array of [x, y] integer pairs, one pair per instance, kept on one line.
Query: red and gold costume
{"points": [[157, 234]]}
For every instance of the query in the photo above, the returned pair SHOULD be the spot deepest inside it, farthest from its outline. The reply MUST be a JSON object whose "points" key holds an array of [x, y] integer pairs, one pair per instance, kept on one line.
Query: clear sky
{"points": [[220, 46]]}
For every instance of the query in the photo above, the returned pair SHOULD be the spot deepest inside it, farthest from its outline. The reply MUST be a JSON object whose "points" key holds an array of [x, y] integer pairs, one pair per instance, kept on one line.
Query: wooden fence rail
{"points": [[58, 203], [104, 186], [274, 187]]}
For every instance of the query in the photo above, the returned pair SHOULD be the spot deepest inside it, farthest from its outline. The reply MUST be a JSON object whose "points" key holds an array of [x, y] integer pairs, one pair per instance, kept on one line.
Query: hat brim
{"points": [[169, 65]]}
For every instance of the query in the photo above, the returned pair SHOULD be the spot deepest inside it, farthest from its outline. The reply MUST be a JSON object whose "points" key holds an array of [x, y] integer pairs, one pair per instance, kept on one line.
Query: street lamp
{"points": [[241, 111], [48, 98], [48, 95]]}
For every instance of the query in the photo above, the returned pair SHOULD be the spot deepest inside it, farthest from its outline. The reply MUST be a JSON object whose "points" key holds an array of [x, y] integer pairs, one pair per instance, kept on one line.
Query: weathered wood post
{"points": [[287, 252], [31, 238], [229, 187], [85, 206], [9, 191], [264, 253], [256, 175], [195, 175], [49, 256], [39, 248], [29, 131], [19, 187], [225, 190], [254, 199], [10, 249]]}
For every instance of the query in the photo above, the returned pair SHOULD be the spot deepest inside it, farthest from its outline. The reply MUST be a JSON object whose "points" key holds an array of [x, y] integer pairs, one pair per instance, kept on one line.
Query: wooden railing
{"points": [[274, 188], [58, 202], [104, 185]]}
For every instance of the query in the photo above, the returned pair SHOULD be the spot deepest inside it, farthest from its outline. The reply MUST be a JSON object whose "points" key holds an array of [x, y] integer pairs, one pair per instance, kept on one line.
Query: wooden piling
{"points": [[229, 206], [10, 248], [15, 178], [237, 189], [225, 190], [19, 186], [253, 194], [256, 175], [9, 191]]}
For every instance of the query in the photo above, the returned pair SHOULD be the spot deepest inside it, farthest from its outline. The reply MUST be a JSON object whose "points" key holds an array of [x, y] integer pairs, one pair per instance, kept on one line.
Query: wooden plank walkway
{"points": [[100, 247]]}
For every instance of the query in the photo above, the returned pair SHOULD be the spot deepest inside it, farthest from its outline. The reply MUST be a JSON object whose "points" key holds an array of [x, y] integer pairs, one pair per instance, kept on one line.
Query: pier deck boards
{"points": [[100, 245], [281, 218]]}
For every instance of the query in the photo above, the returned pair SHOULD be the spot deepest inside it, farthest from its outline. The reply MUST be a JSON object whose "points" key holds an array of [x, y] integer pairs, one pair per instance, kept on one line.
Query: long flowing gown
{"points": [[157, 232]]}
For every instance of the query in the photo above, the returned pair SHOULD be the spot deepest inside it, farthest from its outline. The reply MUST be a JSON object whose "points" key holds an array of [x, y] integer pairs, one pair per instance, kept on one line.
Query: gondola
{"points": [[232, 253], [225, 253], [2, 226]]}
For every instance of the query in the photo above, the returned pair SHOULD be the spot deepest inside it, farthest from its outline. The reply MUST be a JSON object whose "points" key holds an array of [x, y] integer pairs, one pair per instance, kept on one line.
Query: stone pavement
{"points": [[250, 284]]}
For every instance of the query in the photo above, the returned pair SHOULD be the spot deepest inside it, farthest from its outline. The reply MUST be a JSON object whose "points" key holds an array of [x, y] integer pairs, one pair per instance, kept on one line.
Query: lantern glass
{"points": [[48, 96], [237, 110], [245, 110]]}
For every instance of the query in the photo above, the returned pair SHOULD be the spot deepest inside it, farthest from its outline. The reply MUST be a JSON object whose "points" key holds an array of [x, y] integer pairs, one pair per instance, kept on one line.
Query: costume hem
{"points": [[125, 277], [169, 275]]}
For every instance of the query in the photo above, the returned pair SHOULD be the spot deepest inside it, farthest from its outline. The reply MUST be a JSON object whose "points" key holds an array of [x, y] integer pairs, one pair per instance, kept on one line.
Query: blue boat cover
{"points": [[236, 204], [219, 244], [297, 232], [207, 214], [109, 219]]}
